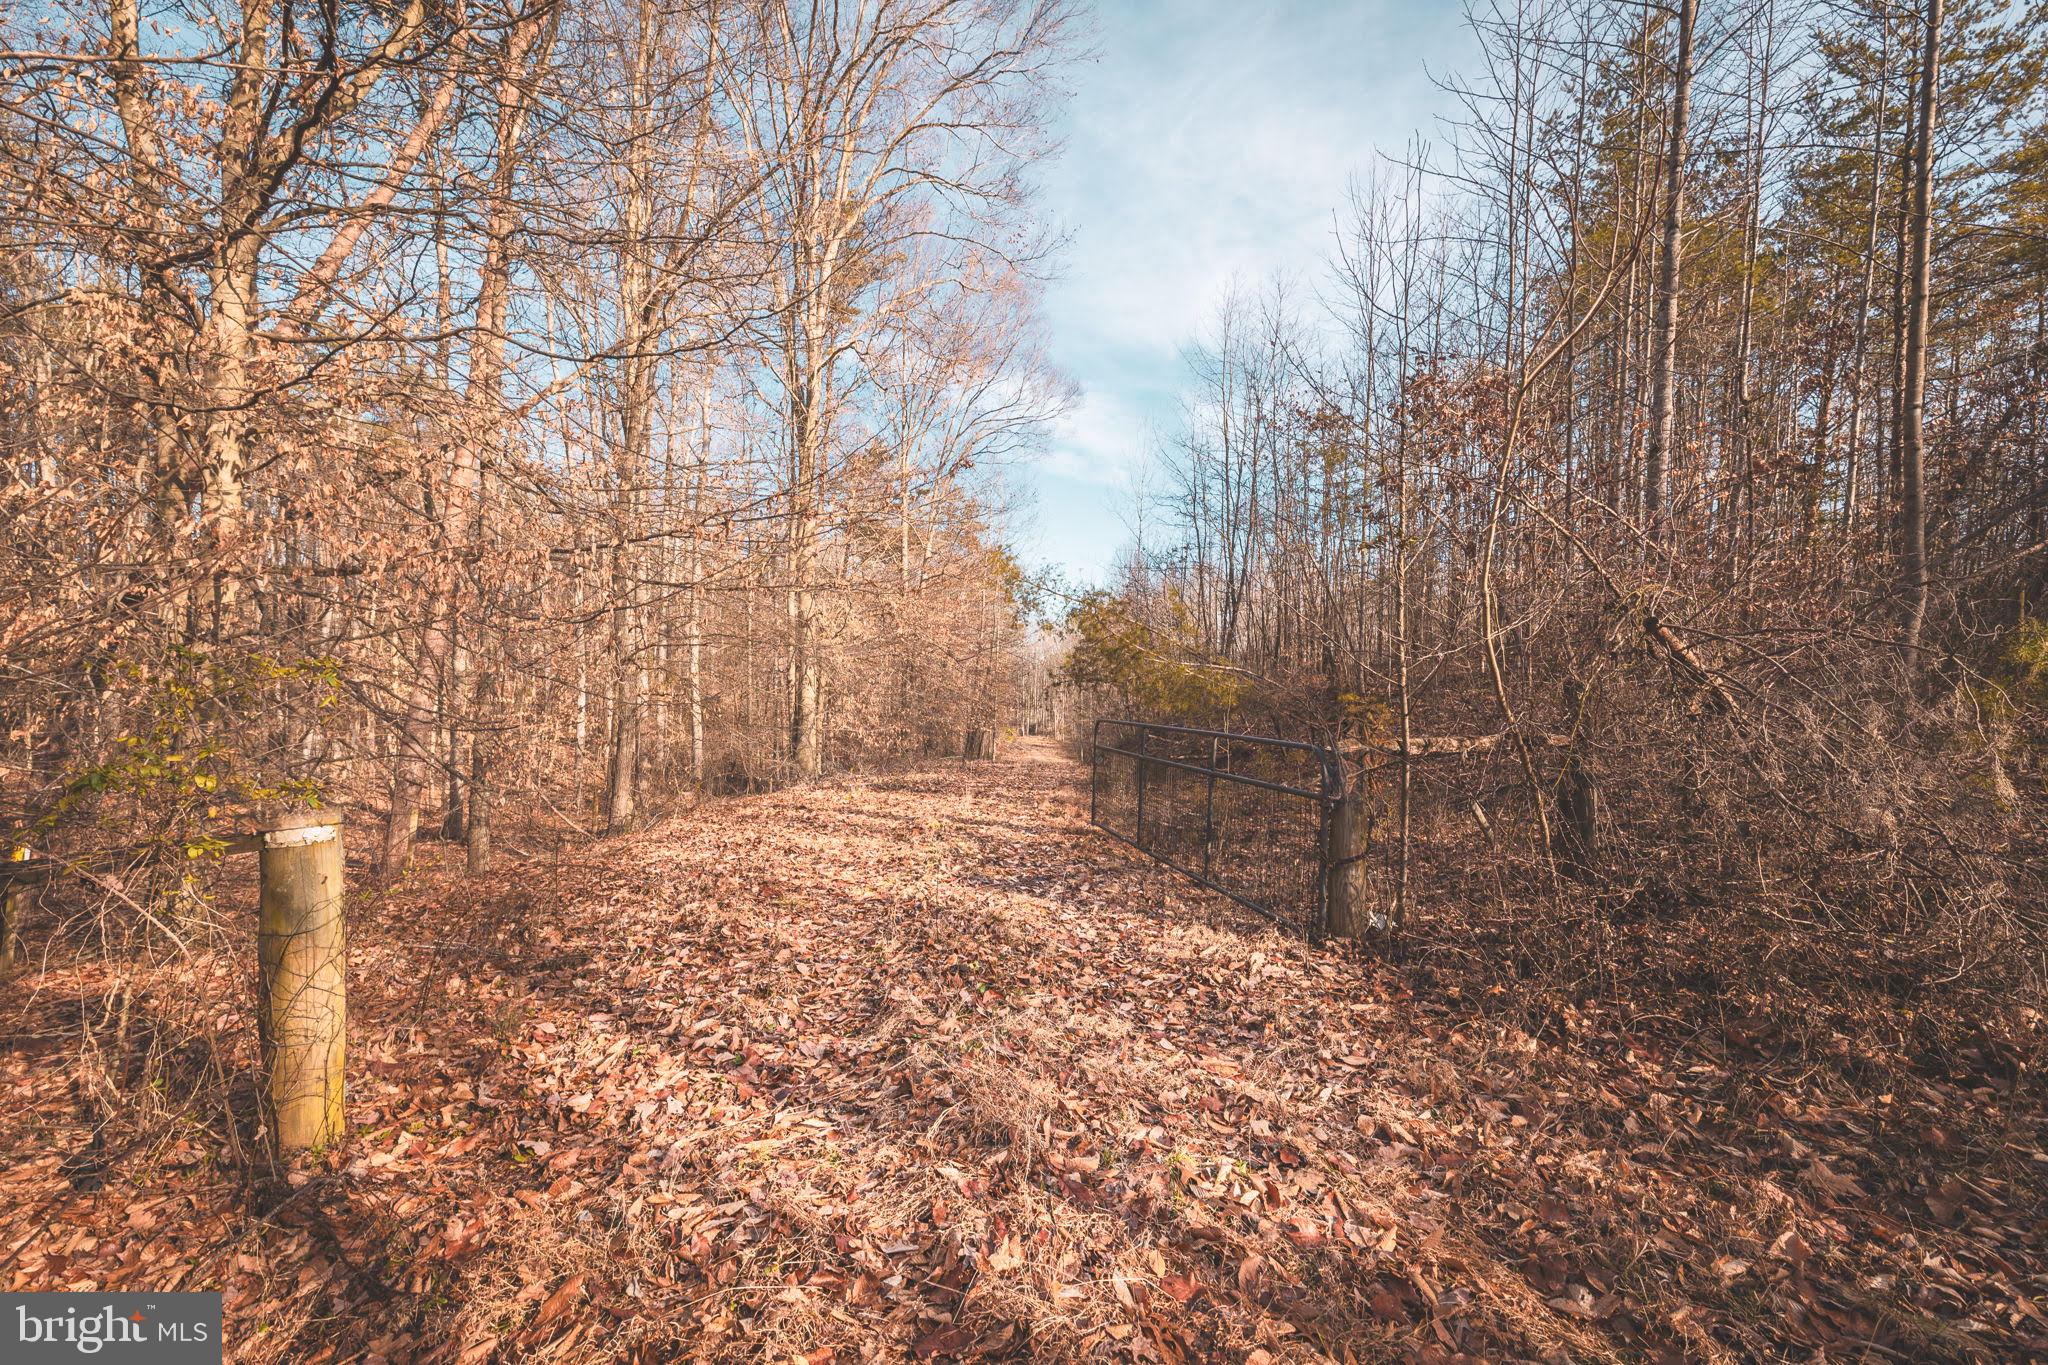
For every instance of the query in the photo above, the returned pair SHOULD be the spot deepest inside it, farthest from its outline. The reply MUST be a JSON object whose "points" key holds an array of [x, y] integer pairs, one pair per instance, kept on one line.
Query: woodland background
{"points": [[447, 409], [1649, 494], [512, 425]]}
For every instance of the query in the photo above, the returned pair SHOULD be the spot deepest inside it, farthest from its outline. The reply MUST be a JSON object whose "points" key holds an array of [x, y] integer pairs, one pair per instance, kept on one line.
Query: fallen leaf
{"points": [[560, 1301]]}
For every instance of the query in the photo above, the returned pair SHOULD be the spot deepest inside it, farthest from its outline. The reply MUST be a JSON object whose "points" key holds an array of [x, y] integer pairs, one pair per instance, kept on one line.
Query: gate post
{"points": [[1094, 770], [1209, 810], [301, 947], [1144, 747], [1347, 906]]}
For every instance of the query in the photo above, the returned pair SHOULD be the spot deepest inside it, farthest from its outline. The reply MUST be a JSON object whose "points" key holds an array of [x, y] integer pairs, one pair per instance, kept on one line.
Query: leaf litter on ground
{"points": [[922, 1067]]}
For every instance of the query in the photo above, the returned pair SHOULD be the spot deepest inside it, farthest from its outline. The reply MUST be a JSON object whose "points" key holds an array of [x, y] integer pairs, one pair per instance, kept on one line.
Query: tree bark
{"points": [[1860, 349], [806, 668], [1579, 795], [1912, 454], [1664, 338], [1348, 909]]}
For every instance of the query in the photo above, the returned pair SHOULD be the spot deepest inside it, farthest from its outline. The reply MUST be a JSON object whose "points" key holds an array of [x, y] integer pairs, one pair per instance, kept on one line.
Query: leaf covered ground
{"points": [[921, 1067]]}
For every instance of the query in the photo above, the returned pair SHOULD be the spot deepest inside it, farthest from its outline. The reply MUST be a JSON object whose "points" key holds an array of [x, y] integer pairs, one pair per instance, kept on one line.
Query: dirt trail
{"points": [[980, 1079], [921, 1066]]}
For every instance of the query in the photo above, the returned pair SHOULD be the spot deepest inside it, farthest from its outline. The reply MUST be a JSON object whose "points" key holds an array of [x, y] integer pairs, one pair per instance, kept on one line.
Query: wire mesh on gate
{"points": [[1246, 815]]}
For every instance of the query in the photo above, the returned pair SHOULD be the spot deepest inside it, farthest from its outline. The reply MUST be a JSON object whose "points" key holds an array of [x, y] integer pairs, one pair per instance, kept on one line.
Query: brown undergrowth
{"points": [[919, 1066]]}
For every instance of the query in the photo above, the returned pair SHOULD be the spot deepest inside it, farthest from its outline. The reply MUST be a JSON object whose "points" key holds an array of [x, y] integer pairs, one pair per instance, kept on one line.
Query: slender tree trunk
{"points": [[477, 427], [696, 609], [483, 750], [1861, 348], [1664, 337], [636, 417], [1912, 455], [1404, 697], [1751, 231], [806, 666], [236, 303], [401, 822], [582, 686], [484, 403], [622, 769]]}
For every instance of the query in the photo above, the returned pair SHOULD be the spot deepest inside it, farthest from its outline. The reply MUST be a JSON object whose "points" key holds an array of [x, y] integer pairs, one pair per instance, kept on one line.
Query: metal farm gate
{"points": [[1246, 815]]}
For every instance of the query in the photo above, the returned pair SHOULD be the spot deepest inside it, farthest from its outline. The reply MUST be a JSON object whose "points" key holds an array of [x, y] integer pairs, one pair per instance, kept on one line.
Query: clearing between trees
{"points": [[920, 1065]]}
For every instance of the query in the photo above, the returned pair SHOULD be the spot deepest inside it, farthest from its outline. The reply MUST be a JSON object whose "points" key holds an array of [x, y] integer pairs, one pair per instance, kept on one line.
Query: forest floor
{"points": [[921, 1067]]}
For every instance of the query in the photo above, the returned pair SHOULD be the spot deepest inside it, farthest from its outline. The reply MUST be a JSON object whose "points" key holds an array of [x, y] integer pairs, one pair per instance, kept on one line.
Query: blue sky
{"points": [[1207, 141]]}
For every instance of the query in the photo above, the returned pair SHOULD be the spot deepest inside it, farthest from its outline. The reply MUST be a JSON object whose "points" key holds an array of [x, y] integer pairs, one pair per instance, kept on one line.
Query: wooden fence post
{"points": [[302, 945]]}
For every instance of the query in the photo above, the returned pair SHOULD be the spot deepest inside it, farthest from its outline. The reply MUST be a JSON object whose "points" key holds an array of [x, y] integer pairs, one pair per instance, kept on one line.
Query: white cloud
{"points": [[1209, 145], [1101, 440]]}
